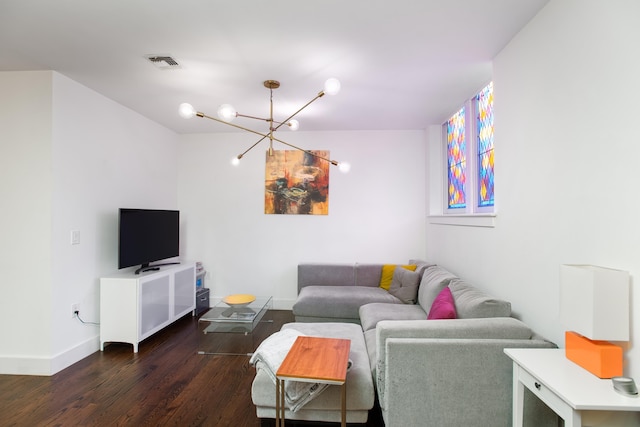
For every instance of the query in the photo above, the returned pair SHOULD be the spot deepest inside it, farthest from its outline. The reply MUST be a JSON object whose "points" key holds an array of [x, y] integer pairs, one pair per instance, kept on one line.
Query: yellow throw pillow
{"points": [[387, 274]]}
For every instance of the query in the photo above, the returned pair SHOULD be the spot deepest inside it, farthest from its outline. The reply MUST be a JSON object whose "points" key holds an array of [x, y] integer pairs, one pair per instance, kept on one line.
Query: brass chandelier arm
{"points": [[320, 95], [252, 117], [199, 114], [273, 129], [280, 124], [249, 149], [262, 119]]}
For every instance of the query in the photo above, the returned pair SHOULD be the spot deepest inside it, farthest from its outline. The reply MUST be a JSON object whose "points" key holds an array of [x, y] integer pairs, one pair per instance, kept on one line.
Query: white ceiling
{"points": [[403, 64]]}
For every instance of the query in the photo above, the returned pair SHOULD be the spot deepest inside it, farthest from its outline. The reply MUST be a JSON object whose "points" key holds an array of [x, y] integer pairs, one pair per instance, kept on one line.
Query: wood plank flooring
{"points": [[167, 383]]}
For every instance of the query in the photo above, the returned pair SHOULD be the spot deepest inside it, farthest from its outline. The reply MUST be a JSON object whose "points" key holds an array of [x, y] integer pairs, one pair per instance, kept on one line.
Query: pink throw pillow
{"points": [[443, 306]]}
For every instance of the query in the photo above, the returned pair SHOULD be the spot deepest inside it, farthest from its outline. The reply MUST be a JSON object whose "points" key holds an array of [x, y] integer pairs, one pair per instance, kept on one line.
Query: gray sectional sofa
{"points": [[447, 372]]}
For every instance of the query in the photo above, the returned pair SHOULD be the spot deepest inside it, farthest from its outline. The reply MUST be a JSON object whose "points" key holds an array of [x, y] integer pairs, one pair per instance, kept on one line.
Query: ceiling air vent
{"points": [[163, 62]]}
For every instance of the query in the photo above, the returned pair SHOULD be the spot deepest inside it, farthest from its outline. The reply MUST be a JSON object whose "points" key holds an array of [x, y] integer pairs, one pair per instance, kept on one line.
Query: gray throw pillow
{"points": [[434, 280], [472, 303], [404, 285]]}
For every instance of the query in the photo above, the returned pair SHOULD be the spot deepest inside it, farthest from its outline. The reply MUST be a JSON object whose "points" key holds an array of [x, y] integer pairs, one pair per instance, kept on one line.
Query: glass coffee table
{"points": [[239, 319], [223, 320]]}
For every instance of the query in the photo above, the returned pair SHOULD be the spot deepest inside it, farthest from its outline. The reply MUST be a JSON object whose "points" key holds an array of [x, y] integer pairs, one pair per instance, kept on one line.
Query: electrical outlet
{"points": [[75, 307]]}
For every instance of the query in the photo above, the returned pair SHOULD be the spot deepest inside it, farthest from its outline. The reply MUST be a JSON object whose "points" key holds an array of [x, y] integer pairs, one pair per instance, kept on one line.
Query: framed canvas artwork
{"points": [[297, 183]]}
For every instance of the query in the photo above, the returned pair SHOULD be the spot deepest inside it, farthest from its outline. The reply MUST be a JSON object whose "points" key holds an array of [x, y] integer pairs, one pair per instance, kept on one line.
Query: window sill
{"points": [[470, 220]]}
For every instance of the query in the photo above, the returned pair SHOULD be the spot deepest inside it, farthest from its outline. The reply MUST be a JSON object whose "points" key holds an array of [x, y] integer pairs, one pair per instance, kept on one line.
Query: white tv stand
{"points": [[135, 306]]}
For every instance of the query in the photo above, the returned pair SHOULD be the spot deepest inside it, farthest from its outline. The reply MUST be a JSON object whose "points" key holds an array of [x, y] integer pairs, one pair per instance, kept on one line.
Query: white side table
{"points": [[565, 387]]}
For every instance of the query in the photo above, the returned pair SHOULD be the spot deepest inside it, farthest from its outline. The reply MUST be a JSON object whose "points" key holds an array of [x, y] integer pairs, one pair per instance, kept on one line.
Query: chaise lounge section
{"points": [[327, 406]]}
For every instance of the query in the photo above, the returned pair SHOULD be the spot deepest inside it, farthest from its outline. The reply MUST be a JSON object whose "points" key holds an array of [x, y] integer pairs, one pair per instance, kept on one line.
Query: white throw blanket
{"points": [[270, 355]]}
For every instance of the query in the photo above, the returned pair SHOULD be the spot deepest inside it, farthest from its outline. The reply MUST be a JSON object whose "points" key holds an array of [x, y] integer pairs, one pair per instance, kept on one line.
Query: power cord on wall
{"points": [[77, 314]]}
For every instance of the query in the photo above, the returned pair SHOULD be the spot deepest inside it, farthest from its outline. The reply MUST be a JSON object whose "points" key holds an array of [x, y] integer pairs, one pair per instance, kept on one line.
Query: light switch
{"points": [[75, 237]]}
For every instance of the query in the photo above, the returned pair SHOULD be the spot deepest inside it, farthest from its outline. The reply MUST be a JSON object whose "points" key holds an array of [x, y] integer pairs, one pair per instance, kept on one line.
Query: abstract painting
{"points": [[297, 183]]}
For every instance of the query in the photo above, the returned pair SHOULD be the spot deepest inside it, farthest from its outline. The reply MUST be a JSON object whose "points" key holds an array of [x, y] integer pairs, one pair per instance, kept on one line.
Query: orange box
{"points": [[601, 358]]}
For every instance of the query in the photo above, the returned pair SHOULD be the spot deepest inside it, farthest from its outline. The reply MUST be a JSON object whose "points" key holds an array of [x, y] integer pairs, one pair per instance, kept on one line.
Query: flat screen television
{"points": [[146, 236]]}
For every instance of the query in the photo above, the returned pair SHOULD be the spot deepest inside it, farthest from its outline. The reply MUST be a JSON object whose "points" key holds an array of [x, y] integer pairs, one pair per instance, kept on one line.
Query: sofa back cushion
{"points": [[368, 274], [421, 265], [326, 275], [472, 303], [434, 279]]}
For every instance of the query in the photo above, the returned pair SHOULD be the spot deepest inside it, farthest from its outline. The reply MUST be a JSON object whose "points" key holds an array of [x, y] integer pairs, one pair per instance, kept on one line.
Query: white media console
{"points": [[135, 306]]}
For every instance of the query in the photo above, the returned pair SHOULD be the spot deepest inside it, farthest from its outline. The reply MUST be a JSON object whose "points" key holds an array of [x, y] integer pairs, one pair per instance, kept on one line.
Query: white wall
{"points": [[376, 212], [25, 216], [567, 147], [105, 157], [69, 168]]}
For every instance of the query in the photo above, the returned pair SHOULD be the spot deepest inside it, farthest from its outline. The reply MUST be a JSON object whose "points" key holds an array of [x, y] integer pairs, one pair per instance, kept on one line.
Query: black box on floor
{"points": [[202, 301]]}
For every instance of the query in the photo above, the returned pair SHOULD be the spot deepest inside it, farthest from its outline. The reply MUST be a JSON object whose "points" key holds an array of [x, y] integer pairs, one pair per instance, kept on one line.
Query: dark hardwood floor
{"points": [[167, 383]]}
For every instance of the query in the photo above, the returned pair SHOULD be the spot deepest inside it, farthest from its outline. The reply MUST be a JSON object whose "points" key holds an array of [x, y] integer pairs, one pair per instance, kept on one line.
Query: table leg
{"points": [[573, 420], [518, 397], [282, 406], [344, 404], [277, 402]]}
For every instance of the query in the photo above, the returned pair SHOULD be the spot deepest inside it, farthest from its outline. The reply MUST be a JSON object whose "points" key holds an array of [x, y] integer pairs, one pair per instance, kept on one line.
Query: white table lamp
{"points": [[594, 306]]}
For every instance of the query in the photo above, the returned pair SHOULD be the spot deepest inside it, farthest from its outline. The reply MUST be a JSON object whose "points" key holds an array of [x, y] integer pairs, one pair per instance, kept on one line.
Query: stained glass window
{"points": [[456, 160], [470, 156], [484, 128]]}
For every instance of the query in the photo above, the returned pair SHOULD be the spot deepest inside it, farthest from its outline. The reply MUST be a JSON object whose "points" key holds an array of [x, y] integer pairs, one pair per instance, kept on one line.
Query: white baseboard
{"points": [[27, 365], [46, 366], [67, 358]]}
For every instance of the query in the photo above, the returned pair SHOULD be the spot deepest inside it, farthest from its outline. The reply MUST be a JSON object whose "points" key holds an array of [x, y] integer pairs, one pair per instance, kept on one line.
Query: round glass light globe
{"points": [[344, 167], [186, 110], [226, 112], [235, 161], [332, 86], [294, 124]]}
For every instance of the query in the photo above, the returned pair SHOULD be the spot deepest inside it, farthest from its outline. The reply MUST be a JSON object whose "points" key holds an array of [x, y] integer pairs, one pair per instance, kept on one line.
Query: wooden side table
{"points": [[569, 390], [316, 360]]}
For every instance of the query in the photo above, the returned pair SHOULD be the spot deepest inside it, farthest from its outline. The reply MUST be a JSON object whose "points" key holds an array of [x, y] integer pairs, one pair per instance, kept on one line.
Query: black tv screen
{"points": [[147, 235]]}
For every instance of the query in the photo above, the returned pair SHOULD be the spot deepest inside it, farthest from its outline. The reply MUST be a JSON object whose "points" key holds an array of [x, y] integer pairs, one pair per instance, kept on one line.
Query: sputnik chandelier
{"points": [[226, 113]]}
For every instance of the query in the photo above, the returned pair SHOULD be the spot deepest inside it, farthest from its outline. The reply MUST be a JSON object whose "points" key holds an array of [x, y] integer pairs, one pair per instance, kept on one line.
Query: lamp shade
{"points": [[594, 301]]}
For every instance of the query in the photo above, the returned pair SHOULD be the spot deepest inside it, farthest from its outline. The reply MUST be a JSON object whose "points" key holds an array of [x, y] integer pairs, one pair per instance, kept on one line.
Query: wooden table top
{"points": [[317, 359]]}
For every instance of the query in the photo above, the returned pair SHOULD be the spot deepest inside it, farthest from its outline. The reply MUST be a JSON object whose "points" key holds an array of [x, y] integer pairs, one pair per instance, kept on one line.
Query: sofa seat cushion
{"points": [[338, 302], [326, 406], [371, 314]]}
